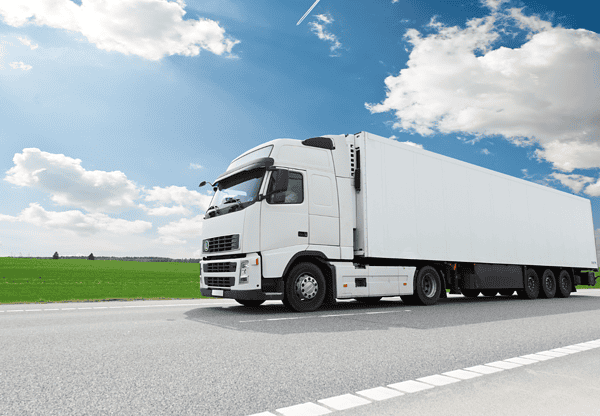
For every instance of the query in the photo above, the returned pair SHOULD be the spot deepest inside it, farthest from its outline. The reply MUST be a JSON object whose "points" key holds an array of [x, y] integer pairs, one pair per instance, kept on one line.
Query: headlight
{"points": [[244, 271]]}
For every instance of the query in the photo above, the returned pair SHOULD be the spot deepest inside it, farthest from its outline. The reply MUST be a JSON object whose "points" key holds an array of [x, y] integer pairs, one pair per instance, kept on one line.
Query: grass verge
{"points": [[33, 280]]}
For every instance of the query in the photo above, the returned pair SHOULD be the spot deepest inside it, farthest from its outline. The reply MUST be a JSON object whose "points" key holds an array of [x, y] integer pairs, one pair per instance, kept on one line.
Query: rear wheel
{"points": [[506, 292], [370, 301], [428, 286], [250, 303], [304, 288], [489, 292], [548, 285], [563, 285], [532, 286], [470, 293]]}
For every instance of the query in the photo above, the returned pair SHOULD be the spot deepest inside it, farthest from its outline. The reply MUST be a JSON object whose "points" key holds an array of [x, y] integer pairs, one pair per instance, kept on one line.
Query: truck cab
{"points": [[275, 207]]}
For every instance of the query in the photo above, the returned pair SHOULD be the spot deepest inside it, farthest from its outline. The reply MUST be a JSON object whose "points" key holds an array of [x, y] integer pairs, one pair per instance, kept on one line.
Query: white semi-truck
{"points": [[364, 217]]}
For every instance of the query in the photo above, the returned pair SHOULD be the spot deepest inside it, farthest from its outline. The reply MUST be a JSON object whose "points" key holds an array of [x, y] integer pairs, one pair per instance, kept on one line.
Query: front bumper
{"points": [[242, 294]]}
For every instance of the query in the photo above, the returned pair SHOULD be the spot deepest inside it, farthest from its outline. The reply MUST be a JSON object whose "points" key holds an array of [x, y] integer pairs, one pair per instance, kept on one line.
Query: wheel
{"points": [[250, 303], [532, 286], [304, 288], [470, 293], [506, 292], [548, 285], [489, 292], [427, 286], [563, 286], [370, 301]]}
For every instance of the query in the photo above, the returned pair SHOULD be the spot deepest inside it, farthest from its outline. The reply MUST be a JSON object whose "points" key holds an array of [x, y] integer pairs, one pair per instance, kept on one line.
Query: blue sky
{"points": [[112, 112]]}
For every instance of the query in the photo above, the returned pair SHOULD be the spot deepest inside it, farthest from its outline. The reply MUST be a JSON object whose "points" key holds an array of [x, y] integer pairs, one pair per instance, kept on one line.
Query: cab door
{"points": [[284, 224]]}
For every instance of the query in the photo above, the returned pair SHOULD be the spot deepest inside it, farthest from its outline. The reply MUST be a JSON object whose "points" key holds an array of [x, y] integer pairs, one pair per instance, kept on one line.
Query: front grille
{"points": [[219, 281], [223, 267], [219, 244]]}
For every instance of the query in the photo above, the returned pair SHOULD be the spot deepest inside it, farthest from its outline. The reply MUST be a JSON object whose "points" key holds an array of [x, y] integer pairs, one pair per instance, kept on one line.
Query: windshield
{"points": [[236, 192]]}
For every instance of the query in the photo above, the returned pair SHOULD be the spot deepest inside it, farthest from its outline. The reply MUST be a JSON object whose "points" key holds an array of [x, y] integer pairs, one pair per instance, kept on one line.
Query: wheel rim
{"points": [[306, 287], [564, 284], [531, 283], [429, 285], [549, 283]]}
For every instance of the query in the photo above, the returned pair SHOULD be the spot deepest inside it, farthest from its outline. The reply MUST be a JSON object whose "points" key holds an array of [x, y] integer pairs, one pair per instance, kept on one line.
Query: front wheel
{"points": [[304, 288], [250, 303]]}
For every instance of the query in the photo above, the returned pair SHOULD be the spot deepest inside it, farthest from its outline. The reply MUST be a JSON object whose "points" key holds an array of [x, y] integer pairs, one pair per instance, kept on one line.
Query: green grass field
{"points": [[32, 280]]}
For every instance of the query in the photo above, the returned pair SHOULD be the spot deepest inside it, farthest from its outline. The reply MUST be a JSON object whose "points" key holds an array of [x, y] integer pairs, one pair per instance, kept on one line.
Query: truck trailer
{"points": [[364, 217]]}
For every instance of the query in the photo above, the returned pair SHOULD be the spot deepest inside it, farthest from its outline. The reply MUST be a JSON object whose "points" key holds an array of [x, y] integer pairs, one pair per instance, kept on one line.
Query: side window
{"points": [[294, 193]]}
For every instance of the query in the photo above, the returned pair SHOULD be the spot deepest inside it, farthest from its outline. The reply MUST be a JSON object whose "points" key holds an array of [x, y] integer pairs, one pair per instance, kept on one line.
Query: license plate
{"points": [[217, 292]]}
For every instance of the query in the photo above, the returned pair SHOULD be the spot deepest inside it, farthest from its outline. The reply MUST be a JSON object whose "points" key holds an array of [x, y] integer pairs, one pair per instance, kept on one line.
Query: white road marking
{"points": [[462, 374], [16, 310], [484, 369], [552, 353], [32, 310], [503, 365], [305, 409], [52, 309], [539, 357], [120, 307], [564, 350], [343, 402], [68, 309], [519, 360], [438, 380], [410, 386], [380, 393], [576, 348]]}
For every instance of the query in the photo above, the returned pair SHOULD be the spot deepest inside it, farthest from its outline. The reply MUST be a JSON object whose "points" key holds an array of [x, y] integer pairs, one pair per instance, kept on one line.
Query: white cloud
{"points": [[151, 29], [544, 92], [493, 4], [319, 30], [69, 184], [165, 211], [573, 182], [420, 146], [177, 232], [486, 151], [178, 195], [195, 166], [77, 221], [593, 189], [20, 65], [27, 42]]}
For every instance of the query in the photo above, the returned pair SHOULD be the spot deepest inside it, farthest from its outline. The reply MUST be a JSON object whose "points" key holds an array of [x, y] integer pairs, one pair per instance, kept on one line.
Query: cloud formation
{"points": [[20, 65], [178, 195], [318, 28], [69, 184], [177, 232], [543, 93], [77, 221], [151, 29]]}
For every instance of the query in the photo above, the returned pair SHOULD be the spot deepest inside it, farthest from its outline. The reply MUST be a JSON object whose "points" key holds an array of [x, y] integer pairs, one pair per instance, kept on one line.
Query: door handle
{"points": [[302, 233]]}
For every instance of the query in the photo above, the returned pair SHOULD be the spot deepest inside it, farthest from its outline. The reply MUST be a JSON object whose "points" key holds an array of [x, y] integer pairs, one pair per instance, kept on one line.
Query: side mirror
{"points": [[280, 178], [202, 184]]}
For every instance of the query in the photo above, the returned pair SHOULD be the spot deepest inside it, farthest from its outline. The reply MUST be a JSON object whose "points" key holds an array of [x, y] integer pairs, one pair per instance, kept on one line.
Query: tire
{"points": [[304, 288], [563, 285], [532, 286], [470, 293], [489, 292], [427, 286], [250, 303], [506, 292], [547, 285], [370, 300]]}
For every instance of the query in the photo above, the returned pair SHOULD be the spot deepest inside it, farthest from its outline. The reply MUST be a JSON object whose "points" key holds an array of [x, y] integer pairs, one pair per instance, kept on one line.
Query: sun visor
{"points": [[264, 162]]}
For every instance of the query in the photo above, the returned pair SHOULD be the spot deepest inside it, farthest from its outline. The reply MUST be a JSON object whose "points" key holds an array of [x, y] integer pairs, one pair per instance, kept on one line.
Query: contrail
{"points": [[306, 14]]}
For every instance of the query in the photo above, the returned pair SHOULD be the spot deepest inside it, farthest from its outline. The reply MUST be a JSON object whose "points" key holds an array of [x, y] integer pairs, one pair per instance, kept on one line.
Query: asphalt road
{"points": [[212, 357]]}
